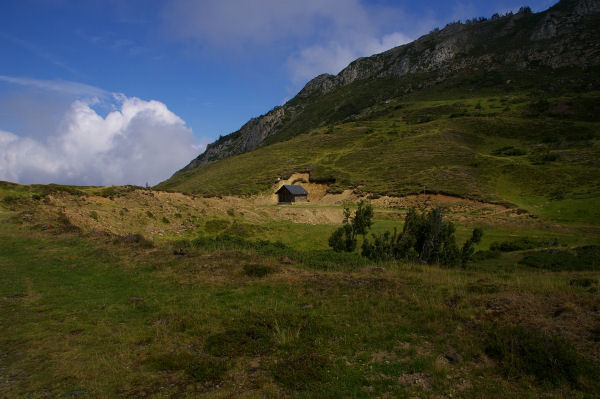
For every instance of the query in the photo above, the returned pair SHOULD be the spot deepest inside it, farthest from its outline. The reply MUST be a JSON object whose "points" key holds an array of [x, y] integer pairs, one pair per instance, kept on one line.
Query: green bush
{"points": [[508, 151], [299, 372], [134, 239], [426, 238], [582, 258], [522, 350], [258, 270], [344, 238], [206, 370], [522, 243]]}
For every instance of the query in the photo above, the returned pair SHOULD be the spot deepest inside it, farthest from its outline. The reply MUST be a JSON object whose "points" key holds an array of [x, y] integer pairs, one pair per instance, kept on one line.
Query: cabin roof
{"points": [[294, 189]]}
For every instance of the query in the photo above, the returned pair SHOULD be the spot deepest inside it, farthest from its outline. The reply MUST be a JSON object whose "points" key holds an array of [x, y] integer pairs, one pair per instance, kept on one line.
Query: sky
{"points": [[111, 92]]}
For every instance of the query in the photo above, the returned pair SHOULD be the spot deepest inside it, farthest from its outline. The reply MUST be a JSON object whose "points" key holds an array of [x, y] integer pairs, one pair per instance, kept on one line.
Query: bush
{"points": [[206, 370], [522, 243], [485, 255], [508, 151], [341, 239], [344, 238], [582, 258], [258, 270], [298, 372], [522, 350], [134, 239], [425, 237]]}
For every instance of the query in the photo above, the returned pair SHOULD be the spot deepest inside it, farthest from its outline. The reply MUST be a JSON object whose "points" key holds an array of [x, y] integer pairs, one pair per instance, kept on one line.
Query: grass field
{"points": [[234, 299]]}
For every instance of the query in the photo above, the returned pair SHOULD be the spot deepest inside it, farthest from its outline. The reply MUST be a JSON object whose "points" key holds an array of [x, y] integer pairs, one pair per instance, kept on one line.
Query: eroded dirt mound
{"points": [[155, 213]]}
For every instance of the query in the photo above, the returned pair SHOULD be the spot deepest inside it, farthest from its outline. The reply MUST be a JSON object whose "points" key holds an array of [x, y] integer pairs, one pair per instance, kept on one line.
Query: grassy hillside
{"points": [[535, 151], [125, 292]]}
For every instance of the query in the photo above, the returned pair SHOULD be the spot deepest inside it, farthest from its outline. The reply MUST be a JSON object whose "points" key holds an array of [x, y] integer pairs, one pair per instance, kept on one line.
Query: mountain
{"points": [[436, 112], [566, 35]]}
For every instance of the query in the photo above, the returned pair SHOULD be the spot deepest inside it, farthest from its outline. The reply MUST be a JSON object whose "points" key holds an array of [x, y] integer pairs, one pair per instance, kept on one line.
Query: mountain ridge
{"points": [[555, 38]]}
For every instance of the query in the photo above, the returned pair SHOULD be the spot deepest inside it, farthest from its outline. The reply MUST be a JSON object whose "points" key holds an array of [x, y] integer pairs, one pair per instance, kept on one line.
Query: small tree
{"points": [[466, 254], [362, 220], [344, 238]]}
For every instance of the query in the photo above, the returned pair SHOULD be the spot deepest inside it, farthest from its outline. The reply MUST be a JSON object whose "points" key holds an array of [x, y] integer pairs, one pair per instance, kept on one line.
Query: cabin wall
{"points": [[285, 196], [301, 198]]}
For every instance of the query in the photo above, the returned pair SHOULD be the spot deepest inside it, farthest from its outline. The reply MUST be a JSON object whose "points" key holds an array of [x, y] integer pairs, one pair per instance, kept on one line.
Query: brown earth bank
{"points": [[156, 213]]}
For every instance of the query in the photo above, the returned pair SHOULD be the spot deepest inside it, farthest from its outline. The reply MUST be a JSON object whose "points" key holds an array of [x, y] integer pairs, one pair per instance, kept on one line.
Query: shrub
{"points": [[216, 225], [425, 237], [344, 238], [341, 239], [523, 350], [298, 372], [206, 370], [508, 151], [582, 258], [522, 243], [258, 270], [134, 239], [485, 255], [583, 282]]}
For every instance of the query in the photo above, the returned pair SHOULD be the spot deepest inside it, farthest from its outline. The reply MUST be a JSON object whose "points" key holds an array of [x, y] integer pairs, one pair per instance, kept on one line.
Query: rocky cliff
{"points": [[566, 35]]}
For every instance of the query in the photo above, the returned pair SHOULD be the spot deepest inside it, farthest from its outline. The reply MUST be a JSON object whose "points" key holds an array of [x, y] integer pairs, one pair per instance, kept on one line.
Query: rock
{"points": [[307, 307], [285, 260], [454, 357]]}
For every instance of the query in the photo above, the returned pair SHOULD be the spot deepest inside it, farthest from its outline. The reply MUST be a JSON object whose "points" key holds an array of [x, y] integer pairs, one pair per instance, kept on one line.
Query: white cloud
{"points": [[142, 141]]}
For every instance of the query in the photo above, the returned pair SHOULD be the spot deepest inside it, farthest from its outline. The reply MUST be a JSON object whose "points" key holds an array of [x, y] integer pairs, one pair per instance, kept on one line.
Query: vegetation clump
{"points": [[299, 370], [135, 238], [253, 270], [525, 350], [426, 238], [581, 258], [344, 238], [522, 243]]}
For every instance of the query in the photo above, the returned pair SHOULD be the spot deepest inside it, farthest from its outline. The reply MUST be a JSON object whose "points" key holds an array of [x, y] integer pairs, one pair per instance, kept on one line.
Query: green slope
{"points": [[495, 145]]}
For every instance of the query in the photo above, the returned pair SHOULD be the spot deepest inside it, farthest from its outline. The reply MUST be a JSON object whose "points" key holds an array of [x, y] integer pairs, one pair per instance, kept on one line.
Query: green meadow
{"points": [[227, 305]]}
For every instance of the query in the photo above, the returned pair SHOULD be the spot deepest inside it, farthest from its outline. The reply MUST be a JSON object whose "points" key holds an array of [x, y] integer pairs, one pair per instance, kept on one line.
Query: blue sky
{"points": [[118, 92]]}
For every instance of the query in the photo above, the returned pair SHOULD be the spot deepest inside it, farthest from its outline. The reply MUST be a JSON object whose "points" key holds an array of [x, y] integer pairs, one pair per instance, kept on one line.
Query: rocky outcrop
{"points": [[247, 138], [546, 39], [565, 35]]}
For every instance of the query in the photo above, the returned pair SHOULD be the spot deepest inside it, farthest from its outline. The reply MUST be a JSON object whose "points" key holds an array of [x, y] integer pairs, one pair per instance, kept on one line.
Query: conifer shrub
{"points": [[426, 237]]}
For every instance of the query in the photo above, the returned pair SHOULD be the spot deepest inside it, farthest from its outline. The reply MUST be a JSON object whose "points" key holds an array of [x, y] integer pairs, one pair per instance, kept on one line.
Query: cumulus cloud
{"points": [[141, 141]]}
